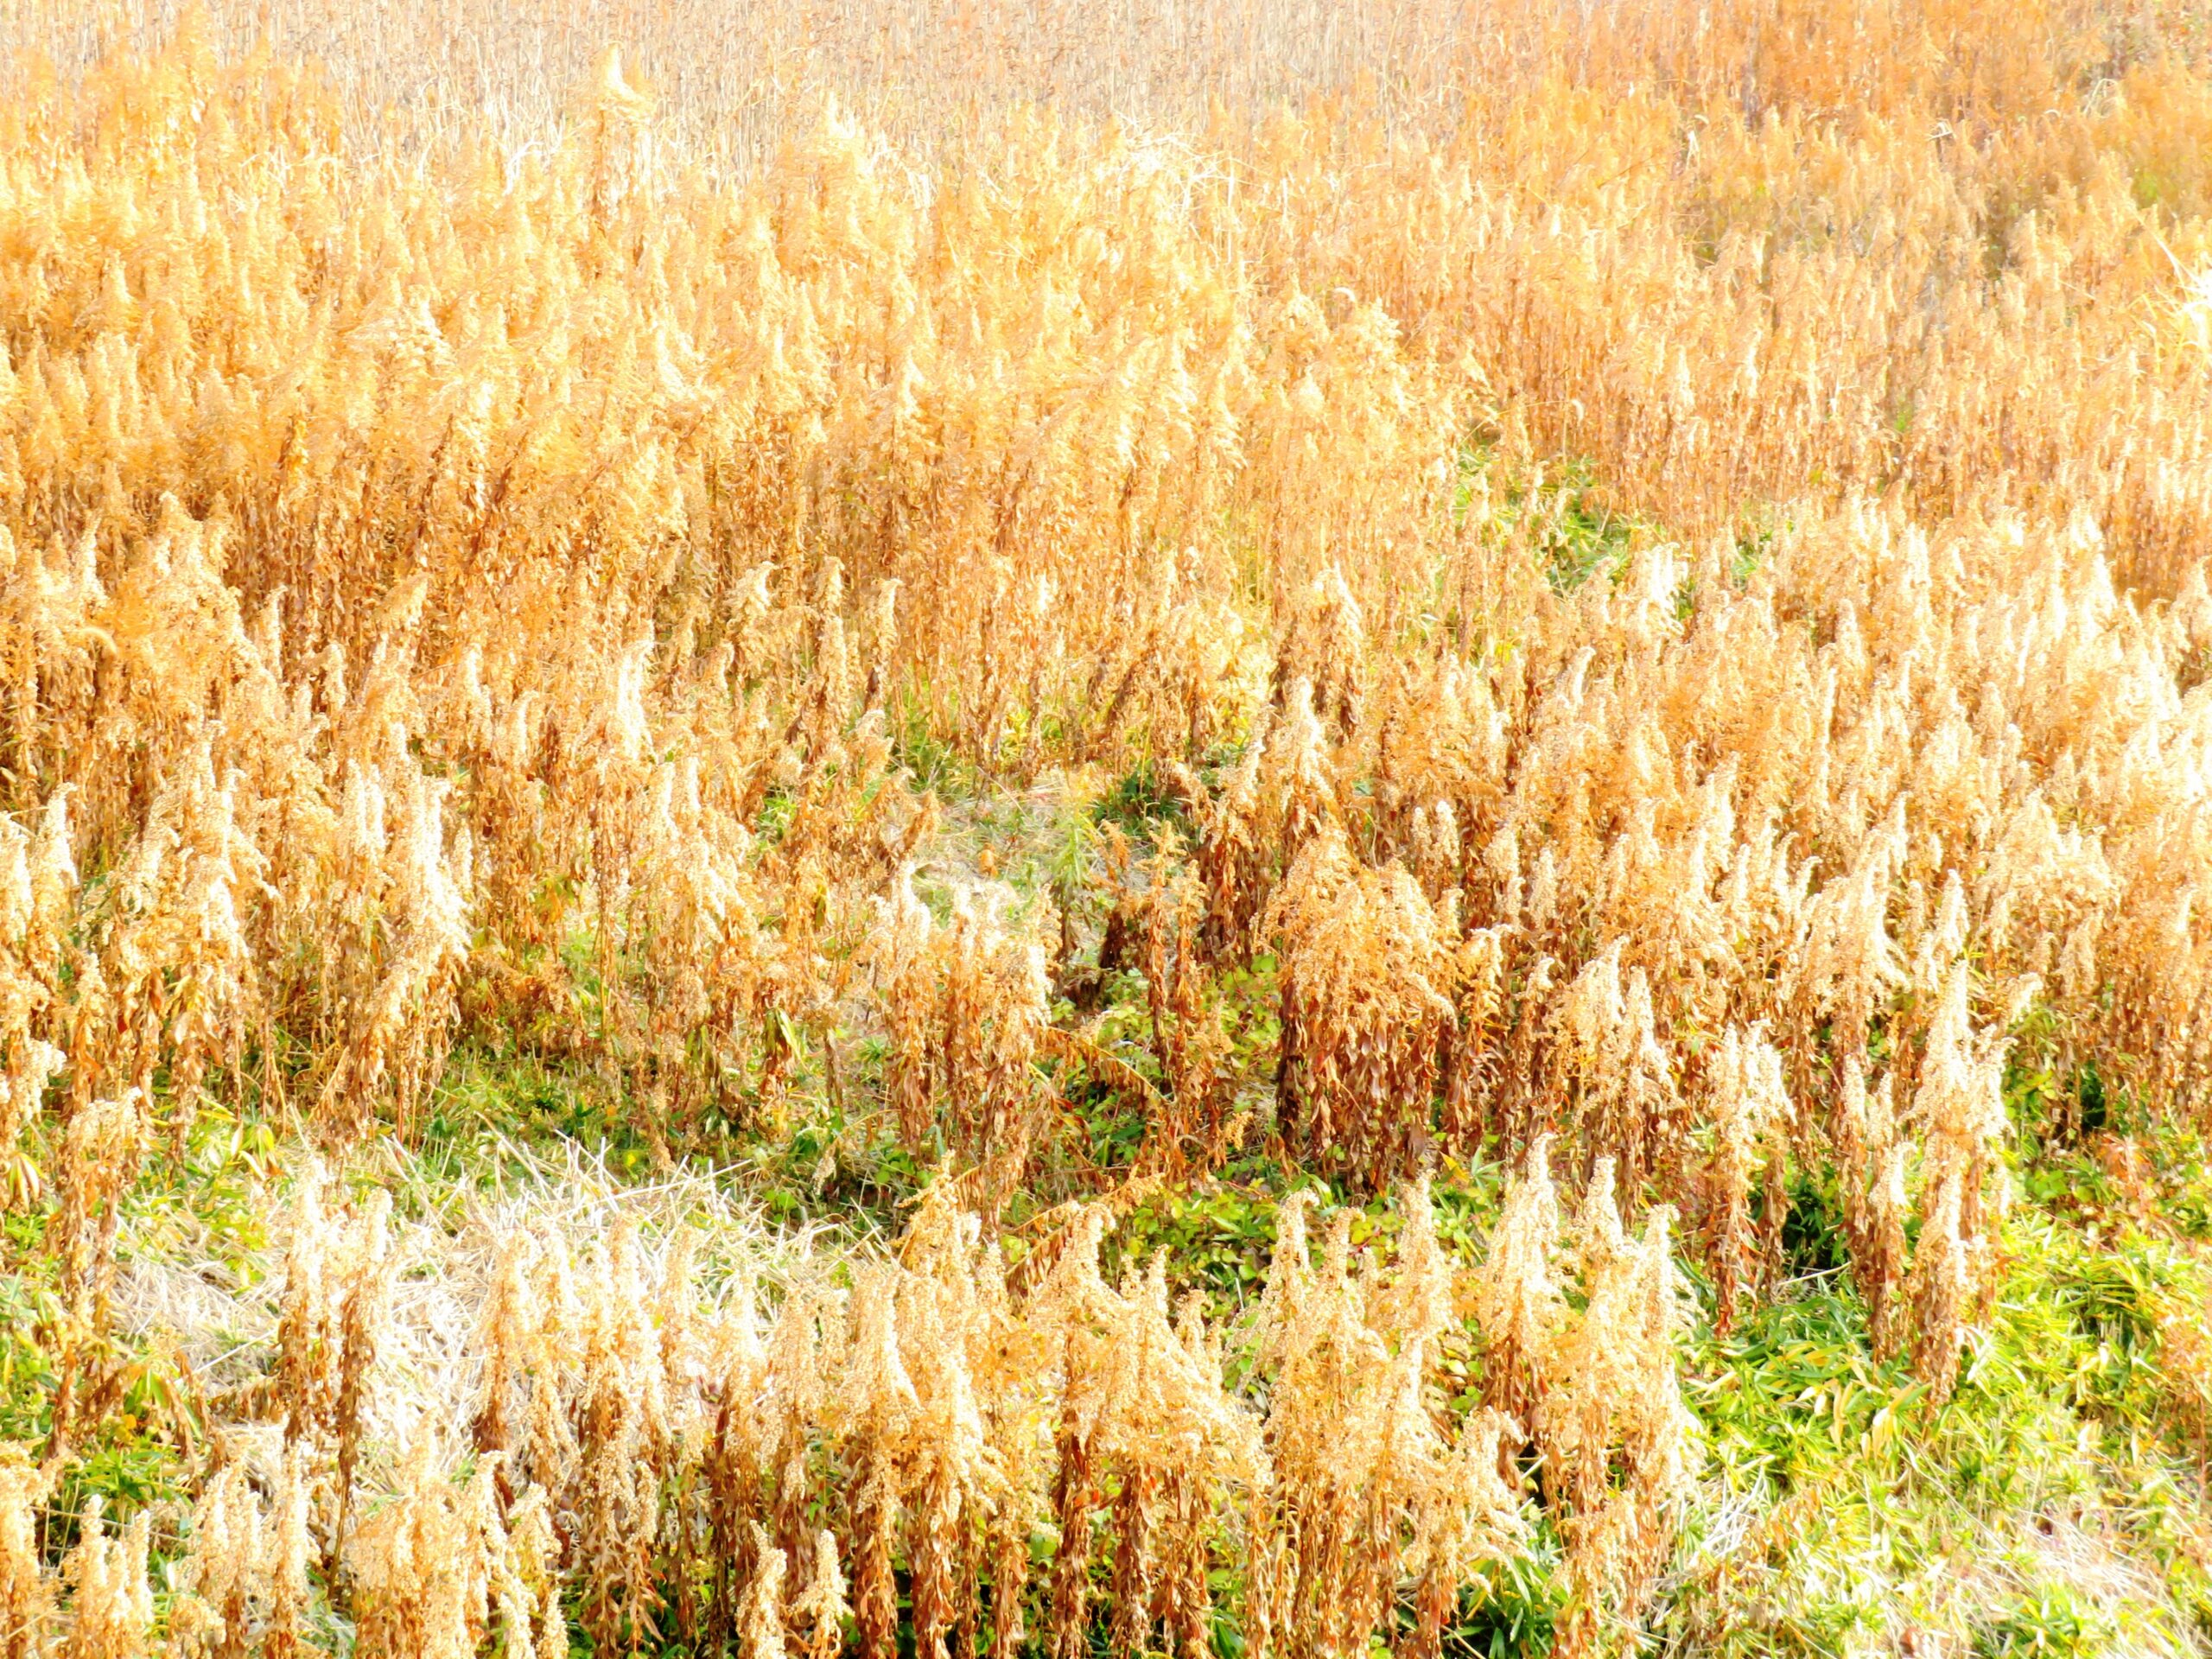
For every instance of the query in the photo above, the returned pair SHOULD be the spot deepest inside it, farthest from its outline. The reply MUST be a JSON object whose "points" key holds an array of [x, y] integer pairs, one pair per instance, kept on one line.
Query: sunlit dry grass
{"points": [[1648, 561]]}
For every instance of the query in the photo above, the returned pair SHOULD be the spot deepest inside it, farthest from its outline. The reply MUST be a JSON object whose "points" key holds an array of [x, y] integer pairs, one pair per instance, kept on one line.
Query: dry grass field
{"points": [[1256, 829]]}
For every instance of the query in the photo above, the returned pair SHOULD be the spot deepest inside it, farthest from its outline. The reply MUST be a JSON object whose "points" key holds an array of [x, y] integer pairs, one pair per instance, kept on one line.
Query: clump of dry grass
{"points": [[1368, 969], [26, 1594], [935, 1413], [965, 1003]]}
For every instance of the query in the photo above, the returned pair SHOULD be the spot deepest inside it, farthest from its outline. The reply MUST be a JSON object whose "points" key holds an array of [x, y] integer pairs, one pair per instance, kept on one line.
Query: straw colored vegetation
{"points": [[1241, 832]]}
